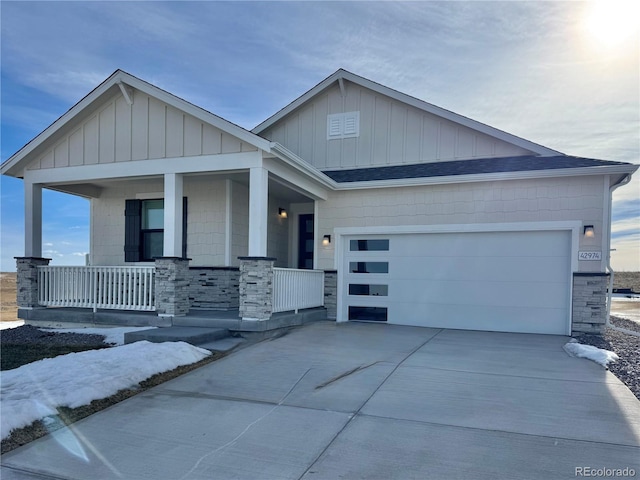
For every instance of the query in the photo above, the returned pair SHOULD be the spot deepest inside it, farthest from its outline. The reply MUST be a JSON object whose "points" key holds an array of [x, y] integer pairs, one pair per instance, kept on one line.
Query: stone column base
{"points": [[172, 286], [589, 303], [27, 280], [331, 293], [256, 288]]}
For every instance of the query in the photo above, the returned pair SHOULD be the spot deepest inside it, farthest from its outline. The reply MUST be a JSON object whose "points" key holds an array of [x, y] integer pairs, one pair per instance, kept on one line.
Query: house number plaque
{"points": [[589, 255]]}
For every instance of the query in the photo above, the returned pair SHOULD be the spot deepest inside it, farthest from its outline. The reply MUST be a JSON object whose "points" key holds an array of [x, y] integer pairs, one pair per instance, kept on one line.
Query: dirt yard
{"points": [[627, 280], [8, 306]]}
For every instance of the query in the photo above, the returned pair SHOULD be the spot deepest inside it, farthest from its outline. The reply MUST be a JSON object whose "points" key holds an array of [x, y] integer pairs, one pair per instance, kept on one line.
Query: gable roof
{"points": [[528, 163], [341, 75], [124, 81]]}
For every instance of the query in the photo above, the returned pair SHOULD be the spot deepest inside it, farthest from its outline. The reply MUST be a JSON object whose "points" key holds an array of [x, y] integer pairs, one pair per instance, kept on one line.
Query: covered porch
{"points": [[188, 211], [227, 241]]}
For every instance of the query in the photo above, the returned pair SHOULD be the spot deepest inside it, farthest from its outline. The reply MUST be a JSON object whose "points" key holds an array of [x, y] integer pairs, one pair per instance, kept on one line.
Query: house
{"points": [[375, 204]]}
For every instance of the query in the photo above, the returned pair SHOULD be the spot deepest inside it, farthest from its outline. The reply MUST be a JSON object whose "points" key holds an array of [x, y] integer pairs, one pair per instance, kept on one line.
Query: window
{"points": [[369, 267], [343, 125], [144, 230], [368, 245], [152, 230], [368, 314], [366, 289]]}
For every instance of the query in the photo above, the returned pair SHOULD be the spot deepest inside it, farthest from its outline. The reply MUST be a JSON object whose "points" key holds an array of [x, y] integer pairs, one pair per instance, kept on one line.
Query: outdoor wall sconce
{"points": [[588, 231], [282, 212], [326, 240]]}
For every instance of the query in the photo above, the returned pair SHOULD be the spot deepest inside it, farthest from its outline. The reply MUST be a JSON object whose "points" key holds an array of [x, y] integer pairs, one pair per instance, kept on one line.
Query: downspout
{"points": [[608, 324]]}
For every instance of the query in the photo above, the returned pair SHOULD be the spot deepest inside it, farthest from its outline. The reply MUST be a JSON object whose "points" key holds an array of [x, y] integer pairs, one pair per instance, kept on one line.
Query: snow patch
{"points": [[625, 297], [33, 391], [12, 324], [598, 355]]}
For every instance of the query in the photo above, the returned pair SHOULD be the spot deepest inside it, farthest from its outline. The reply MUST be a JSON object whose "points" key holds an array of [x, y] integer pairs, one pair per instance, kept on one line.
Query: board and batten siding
{"points": [[147, 129], [391, 133], [538, 200]]}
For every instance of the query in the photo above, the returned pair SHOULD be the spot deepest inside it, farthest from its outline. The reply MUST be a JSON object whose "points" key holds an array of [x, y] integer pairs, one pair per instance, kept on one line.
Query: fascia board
{"points": [[7, 167], [487, 177], [297, 102], [295, 180], [119, 77], [195, 111], [297, 163], [449, 115], [409, 100]]}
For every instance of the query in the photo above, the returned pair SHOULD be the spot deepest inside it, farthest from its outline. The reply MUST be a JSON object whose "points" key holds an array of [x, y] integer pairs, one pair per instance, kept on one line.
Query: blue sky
{"points": [[562, 74]]}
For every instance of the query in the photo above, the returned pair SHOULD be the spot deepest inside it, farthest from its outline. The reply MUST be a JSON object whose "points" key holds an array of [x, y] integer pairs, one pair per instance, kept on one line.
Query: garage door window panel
{"points": [[369, 267], [368, 314], [368, 290], [369, 245]]}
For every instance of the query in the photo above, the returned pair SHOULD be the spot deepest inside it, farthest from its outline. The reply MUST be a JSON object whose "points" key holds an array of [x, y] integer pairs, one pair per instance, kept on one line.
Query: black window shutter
{"points": [[184, 227], [132, 224]]}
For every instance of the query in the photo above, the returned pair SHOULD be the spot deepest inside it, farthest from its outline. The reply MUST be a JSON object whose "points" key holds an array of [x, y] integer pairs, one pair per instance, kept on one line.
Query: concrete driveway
{"points": [[367, 401]]}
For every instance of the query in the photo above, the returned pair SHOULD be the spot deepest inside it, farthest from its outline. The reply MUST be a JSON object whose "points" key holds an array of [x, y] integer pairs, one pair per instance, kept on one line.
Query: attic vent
{"points": [[343, 125]]}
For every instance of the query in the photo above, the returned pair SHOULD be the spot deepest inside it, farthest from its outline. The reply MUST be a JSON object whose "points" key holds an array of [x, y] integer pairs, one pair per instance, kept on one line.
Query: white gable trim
{"points": [[342, 75], [125, 81]]}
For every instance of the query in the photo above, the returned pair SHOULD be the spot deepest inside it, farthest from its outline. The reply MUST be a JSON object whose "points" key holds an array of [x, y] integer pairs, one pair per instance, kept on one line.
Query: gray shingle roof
{"points": [[466, 167]]}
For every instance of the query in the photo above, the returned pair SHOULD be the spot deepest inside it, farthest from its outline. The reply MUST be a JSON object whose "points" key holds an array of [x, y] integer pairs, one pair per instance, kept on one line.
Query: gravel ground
{"points": [[28, 334], [627, 369]]}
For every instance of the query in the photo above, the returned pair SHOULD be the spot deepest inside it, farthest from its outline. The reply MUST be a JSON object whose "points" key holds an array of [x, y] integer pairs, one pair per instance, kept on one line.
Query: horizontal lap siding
{"points": [[206, 220], [579, 198]]}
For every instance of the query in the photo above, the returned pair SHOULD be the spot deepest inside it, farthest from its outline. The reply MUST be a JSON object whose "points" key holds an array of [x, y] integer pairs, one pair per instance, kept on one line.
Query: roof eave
{"points": [[12, 166], [408, 99], [489, 177], [299, 164]]}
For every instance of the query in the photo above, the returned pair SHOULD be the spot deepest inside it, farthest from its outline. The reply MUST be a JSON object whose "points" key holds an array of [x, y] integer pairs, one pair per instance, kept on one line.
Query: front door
{"points": [[305, 241]]}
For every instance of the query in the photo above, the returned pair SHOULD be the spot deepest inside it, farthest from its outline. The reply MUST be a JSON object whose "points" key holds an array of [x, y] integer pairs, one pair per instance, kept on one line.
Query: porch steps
{"points": [[194, 335]]}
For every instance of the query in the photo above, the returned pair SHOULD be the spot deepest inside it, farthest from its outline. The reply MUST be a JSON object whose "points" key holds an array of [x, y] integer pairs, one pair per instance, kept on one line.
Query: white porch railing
{"points": [[121, 288], [295, 289]]}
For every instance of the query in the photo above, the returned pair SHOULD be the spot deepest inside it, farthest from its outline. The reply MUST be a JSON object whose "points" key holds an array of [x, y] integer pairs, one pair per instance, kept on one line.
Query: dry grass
{"points": [[8, 305]]}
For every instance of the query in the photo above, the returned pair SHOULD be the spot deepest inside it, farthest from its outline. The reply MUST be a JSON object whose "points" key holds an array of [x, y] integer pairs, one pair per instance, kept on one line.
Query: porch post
{"points": [[173, 192], [258, 207], [256, 288], [32, 219]]}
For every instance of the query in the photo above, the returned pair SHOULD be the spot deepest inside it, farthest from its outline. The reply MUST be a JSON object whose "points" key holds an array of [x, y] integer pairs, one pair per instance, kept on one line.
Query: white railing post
{"points": [[295, 289], [120, 288]]}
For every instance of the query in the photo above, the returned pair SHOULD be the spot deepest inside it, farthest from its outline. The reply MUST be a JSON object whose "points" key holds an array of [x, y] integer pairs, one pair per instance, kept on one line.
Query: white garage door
{"points": [[497, 281]]}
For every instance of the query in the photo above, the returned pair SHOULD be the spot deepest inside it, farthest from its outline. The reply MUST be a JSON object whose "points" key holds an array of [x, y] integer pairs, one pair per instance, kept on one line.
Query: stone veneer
{"points": [[589, 305], [27, 280], [331, 293], [214, 288], [172, 286], [256, 287]]}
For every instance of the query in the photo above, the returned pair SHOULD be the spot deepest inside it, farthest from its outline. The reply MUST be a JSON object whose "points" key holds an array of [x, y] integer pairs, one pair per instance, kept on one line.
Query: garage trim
{"points": [[574, 227]]}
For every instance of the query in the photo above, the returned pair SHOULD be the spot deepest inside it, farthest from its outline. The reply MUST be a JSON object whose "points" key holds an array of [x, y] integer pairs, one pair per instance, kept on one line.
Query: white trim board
{"points": [[573, 226]]}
